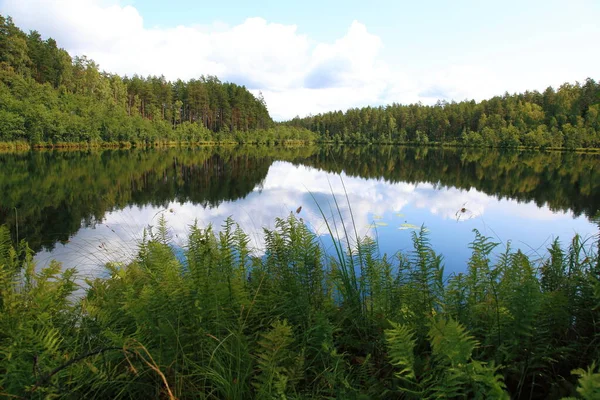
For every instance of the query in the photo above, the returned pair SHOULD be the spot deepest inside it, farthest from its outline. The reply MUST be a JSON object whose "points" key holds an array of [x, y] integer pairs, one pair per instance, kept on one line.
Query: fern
{"points": [[482, 290], [427, 274], [274, 361], [588, 385], [401, 346], [553, 271], [450, 342], [450, 372], [296, 324]]}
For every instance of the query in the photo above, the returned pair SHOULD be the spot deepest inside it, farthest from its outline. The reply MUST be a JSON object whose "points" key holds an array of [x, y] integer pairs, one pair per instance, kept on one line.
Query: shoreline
{"points": [[16, 147]]}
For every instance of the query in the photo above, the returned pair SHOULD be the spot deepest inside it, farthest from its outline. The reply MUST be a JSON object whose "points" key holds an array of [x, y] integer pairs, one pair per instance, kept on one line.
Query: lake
{"points": [[91, 207]]}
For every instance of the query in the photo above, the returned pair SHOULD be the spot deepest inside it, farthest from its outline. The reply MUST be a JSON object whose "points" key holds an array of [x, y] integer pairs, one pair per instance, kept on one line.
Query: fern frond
{"points": [[274, 360], [588, 385], [401, 344], [450, 342]]}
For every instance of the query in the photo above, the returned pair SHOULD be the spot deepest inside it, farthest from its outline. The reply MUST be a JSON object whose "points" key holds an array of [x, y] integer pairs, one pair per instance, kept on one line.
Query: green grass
{"points": [[298, 323]]}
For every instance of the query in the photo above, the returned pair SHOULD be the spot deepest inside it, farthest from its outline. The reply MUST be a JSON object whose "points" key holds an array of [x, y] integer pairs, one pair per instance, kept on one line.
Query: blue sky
{"points": [[316, 56]]}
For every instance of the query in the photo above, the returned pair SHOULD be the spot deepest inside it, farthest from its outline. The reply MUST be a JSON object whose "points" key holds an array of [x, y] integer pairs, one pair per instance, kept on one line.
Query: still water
{"points": [[88, 208]]}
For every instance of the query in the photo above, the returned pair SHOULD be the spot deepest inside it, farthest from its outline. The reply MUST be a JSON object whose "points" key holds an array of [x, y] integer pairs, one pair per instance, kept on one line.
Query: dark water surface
{"points": [[87, 208]]}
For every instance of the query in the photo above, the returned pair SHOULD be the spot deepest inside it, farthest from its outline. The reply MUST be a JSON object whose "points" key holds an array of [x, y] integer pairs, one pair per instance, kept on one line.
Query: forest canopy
{"points": [[47, 96], [568, 117]]}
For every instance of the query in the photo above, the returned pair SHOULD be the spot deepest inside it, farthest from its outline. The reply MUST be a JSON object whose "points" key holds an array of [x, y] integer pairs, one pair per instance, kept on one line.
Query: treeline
{"points": [[47, 97], [214, 321], [568, 117]]}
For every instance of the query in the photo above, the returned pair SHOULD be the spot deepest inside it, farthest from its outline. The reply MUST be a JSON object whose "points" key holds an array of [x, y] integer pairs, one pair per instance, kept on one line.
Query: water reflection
{"points": [[378, 207]]}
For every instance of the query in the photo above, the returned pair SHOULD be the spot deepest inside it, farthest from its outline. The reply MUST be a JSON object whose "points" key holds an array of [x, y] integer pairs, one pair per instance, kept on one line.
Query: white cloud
{"points": [[296, 74]]}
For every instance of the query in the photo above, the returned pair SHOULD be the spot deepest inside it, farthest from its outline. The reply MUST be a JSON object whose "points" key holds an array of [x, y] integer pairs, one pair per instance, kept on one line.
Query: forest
{"points": [[568, 117], [48, 97]]}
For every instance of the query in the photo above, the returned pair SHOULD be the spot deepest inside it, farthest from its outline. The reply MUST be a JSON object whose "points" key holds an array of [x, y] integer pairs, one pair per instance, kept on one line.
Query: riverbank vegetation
{"points": [[212, 320]]}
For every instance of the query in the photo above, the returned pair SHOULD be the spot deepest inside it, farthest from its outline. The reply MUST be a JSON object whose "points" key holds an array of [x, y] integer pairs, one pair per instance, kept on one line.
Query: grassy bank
{"points": [[219, 322], [457, 144], [277, 136], [9, 147]]}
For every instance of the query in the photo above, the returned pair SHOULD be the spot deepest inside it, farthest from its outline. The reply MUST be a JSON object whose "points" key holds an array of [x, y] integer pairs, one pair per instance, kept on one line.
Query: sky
{"points": [[313, 56]]}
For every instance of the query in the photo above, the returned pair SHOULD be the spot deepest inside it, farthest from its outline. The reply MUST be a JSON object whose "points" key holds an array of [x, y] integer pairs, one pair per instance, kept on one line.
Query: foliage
{"points": [[449, 371], [567, 117], [220, 322], [48, 98], [588, 387]]}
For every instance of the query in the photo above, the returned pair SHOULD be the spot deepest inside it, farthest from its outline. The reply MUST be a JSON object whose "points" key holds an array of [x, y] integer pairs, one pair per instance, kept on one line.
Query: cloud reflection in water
{"points": [[379, 208]]}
